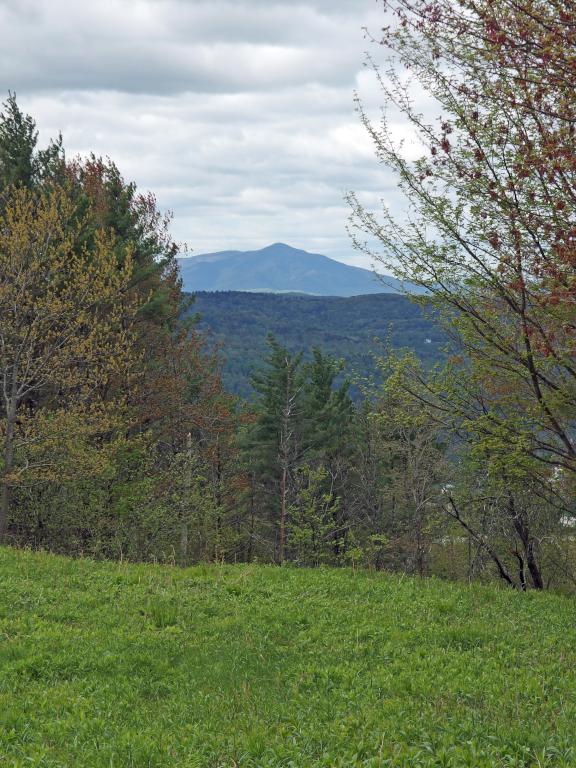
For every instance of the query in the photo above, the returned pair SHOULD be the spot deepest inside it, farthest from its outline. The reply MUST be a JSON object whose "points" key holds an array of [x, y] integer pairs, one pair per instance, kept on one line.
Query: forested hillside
{"points": [[354, 329]]}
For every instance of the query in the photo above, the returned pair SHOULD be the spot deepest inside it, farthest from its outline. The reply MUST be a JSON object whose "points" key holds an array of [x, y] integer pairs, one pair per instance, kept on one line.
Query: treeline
{"points": [[120, 440]]}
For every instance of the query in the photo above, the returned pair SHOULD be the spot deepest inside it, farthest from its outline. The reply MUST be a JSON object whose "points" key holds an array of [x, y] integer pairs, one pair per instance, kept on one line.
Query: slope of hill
{"points": [[280, 268], [109, 664], [344, 327]]}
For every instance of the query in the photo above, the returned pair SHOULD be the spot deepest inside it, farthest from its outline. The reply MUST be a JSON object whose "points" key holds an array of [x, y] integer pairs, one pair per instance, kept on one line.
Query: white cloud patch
{"points": [[238, 114]]}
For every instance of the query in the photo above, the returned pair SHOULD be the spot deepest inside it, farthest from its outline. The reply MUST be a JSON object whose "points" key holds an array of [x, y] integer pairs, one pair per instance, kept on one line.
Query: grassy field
{"points": [[105, 664]]}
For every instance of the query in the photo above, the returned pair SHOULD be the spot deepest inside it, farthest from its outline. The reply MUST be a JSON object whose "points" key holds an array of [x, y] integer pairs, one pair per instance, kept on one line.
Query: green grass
{"points": [[103, 664]]}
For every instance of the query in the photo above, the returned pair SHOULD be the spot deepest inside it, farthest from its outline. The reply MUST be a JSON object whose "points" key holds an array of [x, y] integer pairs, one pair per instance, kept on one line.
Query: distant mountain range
{"points": [[280, 268]]}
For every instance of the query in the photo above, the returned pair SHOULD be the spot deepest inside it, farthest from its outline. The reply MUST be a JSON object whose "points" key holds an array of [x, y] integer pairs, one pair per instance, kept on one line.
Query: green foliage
{"points": [[343, 328], [479, 472], [487, 227], [313, 530], [107, 201], [18, 137], [21, 163], [298, 435], [327, 406], [434, 470], [106, 664], [280, 384]]}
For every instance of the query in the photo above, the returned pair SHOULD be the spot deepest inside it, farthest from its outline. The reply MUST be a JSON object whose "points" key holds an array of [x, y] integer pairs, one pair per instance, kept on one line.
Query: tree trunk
{"points": [[186, 504], [523, 532], [502, 572], [521, 570], [284, 463], [252, 518], [536, 576], [282, 545], [5, 499], [420, 554]]}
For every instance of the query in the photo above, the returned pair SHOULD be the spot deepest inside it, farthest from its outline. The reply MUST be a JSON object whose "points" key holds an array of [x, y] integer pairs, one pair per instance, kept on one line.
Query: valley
{"points": [[350, 328]]}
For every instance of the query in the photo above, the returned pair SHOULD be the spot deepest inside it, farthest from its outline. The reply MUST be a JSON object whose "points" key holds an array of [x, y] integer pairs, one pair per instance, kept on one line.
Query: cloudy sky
{"points": [[237, 114]]}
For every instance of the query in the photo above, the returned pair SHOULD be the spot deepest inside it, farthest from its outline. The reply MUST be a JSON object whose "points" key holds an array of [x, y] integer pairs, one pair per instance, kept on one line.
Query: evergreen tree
{"points": [[274, 439], [298, 447], [21, 163], [327, 408], [328, 414], [107, 201]]}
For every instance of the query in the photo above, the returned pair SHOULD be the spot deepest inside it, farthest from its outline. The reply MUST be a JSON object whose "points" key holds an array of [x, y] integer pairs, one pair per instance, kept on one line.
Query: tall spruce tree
{"points": [[275, 437], [327, 419], [300, 433]]}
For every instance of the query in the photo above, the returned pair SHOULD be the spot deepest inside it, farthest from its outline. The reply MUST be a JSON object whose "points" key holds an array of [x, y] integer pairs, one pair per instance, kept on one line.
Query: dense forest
{"points": [[121, 439], [354, 329]]}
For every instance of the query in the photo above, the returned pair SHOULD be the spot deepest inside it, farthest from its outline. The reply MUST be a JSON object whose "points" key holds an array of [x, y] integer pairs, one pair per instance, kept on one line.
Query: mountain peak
{"points": [[279, 249], [299, 272]]}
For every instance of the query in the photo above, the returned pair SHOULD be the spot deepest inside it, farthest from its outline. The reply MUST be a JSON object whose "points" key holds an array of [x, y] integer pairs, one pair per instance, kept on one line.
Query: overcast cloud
{"points": [[237, 114]]}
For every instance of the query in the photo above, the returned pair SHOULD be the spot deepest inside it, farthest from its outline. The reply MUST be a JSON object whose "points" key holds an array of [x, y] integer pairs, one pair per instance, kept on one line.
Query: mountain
{"points": [[280, 268], [345, 327]]}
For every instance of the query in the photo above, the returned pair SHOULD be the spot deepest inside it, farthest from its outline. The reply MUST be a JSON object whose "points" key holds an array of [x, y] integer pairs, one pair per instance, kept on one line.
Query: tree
{"points": [[105, 200], [297, 446], [417, 466], [509, 504], [65, 333], [21, 164], [145, 463], [510, 524], [313, 522], [192, 434], [327, 415], [327, 408], [491, 231], [274, 438]]}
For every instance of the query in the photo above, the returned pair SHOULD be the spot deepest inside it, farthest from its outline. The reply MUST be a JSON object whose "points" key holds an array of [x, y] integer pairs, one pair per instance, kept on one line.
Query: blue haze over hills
{"points": [[280, 268]]}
